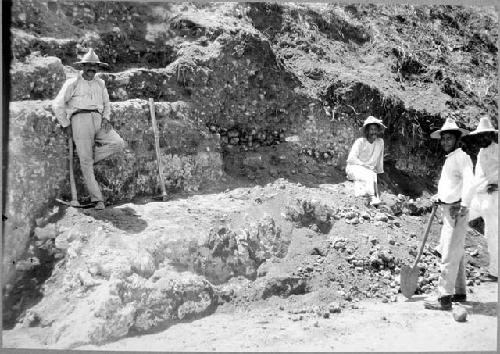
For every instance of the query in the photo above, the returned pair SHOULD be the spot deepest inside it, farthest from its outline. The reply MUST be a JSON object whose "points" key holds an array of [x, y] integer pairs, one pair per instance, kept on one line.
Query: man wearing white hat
{"points": [[454, 182], [82, 108], [366, 160], [483, 196]]}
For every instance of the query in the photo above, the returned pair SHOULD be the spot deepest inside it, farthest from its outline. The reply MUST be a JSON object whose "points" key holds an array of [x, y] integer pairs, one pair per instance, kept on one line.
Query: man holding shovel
{"points": [[483, 196], [83, 110], [366, 160], [455, 180]]}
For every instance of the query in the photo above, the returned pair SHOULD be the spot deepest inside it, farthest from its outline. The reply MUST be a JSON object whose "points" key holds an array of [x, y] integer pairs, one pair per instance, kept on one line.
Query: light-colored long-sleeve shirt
{"points": [[367, 154], [456, 177], [78, 93], [486, 171]]}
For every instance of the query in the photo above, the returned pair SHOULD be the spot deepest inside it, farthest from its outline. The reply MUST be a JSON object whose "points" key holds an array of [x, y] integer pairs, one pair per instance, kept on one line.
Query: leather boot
{"points": [[459, 298]]}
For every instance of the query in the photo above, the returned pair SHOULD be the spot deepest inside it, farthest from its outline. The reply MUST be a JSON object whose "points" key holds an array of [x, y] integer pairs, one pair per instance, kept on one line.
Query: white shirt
{"points": [[486, 171], [456, 177], [487, 164], [368, 154], [78, 93]]}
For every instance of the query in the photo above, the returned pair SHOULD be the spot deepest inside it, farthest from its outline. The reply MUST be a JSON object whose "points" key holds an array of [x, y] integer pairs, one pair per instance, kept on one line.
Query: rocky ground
{"points": [[283, 250], [274, 325]]}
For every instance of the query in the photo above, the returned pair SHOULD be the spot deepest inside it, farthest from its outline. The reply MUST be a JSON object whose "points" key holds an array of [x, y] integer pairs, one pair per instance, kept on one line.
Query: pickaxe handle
{"points": [[74, 196]]}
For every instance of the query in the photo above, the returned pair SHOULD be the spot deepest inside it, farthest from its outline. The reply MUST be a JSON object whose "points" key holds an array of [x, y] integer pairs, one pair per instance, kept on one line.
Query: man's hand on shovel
{"points": [[457, 211]]}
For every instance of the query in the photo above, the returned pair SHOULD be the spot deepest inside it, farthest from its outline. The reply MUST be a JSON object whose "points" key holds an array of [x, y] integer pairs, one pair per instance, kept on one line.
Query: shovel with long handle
{"points": [[409, 275], [74, 196], [164, 195]]}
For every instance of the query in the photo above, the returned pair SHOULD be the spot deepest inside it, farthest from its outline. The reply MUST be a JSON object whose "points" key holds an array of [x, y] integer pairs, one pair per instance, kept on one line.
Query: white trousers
{"points": [[364, 179], [486, 206], [86, 133], [452, 278]]}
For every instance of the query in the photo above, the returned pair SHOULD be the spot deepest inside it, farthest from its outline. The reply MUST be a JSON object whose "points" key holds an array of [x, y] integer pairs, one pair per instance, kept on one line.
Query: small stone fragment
{"points": [[381, 217], [334, 307], [366, 216], [460, 314]]}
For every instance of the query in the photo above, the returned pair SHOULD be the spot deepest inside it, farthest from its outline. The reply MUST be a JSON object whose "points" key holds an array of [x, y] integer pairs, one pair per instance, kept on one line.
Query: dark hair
{"points": [[493, 136]]}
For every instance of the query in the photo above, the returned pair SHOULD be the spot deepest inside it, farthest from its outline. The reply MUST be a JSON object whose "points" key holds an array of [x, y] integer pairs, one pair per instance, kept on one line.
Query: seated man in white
{"points": [[366, 160]]}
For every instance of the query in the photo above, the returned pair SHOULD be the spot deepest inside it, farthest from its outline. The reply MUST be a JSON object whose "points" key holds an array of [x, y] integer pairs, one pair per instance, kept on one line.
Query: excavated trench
{"points": [[251, 109]]}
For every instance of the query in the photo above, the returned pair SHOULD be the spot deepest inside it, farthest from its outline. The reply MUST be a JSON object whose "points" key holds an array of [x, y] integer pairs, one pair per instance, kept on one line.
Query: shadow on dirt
{"points": [[124, 218], [396, 181], [484, 308], [478, 308]]}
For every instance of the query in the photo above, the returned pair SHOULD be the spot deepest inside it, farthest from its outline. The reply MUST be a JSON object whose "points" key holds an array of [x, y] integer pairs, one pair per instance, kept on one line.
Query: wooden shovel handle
{"points": [[157, 146], [427, 229], [74, 196]]}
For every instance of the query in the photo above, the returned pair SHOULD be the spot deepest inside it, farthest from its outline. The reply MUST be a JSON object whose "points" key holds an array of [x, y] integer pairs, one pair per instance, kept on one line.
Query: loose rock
{"points": [[460, 314]]}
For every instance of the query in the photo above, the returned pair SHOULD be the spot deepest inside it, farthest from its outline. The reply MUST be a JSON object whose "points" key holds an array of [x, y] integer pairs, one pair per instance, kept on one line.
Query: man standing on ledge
{"points": [[83, 110], [366, 160]]}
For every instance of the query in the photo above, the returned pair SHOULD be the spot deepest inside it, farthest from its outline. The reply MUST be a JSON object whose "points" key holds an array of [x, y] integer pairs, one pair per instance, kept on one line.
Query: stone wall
{"points": [[38, 162]]}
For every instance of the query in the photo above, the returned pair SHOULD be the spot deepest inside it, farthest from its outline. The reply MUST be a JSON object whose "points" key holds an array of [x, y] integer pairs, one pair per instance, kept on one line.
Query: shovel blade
{"points": [[408, 281]]}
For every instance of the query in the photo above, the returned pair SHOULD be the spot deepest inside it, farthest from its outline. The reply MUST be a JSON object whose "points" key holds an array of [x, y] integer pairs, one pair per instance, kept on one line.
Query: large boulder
{"points": [[36, 78], [112, 309]]}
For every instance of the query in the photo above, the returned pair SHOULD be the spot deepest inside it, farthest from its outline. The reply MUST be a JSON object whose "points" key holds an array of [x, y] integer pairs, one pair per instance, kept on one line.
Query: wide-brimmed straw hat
{"points": [[484, 126], [372, 120], [449, 125], [90, 58]]}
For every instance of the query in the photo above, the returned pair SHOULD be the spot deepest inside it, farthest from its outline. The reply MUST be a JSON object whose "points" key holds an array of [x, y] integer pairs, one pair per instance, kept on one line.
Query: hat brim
{"points": [[100, 64], [476, 132], [437, 133], [381, 125]]}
